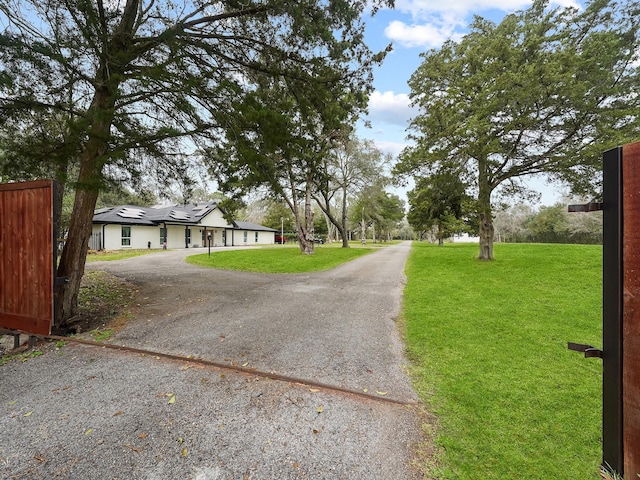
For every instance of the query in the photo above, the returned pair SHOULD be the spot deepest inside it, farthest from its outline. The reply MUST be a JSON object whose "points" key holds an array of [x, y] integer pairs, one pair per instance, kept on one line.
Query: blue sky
{"points": [[413, 27]]}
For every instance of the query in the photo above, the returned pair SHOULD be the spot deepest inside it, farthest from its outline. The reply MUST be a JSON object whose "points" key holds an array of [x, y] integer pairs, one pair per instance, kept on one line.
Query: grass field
{"points": [[108, 255], [279, 259], [488, 341]]}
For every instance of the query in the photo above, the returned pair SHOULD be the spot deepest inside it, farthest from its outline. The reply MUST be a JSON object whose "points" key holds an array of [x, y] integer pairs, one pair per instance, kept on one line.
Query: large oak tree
{"points": [[136, 77], [543, 92]]}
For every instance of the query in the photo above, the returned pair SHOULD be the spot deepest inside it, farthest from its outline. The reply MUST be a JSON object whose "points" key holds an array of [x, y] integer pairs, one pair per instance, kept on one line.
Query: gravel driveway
{"points": [[90, 412]]}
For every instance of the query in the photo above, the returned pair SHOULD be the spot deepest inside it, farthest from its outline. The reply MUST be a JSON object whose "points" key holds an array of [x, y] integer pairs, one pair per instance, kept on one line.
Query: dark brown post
{"points": [[612, 443], [631, 309]]}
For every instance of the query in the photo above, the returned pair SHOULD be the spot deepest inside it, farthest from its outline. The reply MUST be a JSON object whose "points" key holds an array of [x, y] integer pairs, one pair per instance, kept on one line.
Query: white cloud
{"points": [[394, 148], [421, 9], [390, 107], [417, 35], [434, 22]]}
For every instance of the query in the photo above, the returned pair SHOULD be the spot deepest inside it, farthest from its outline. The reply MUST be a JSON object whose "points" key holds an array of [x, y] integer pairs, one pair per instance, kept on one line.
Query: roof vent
{"points": [[202, 210], [131, 213], [179, 215]]}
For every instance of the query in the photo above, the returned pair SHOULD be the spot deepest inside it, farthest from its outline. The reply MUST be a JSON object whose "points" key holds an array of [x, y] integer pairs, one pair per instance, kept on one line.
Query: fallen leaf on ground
{"points": [[381, 393], [314, 390], [180, 440], [172, 399], [245, 364], [142, 435], [88, 431], [186, 367], [319, 409], [365, 390], [39, 458], [119, 412], [132, 447], [185, 451], [28, 414], [12, 403]]}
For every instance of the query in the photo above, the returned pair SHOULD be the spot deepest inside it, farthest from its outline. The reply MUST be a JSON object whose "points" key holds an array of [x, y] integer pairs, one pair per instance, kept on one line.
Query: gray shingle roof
{"points": [[134, 215], [253, 226], [174, 214]]}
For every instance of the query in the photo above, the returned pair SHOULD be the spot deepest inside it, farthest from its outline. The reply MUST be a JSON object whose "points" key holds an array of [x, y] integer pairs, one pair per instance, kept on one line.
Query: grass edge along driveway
{"points": [[278, 259], [488, 345]]}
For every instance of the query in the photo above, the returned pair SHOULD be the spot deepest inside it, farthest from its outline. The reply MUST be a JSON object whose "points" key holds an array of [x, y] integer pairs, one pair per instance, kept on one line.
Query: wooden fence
{"points": [[26, 256]]}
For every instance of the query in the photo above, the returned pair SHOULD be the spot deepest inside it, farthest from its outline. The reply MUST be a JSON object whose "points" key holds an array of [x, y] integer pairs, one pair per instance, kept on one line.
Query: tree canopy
{"points": [[133, 79], [542, 92], [440, 202], [378, 209], [348, 168]]}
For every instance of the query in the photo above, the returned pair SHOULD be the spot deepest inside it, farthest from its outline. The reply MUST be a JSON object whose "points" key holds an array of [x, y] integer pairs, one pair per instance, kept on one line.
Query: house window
{"points": [[245, 236], [256, 237], [126, 236], [187, 236], [163, 235]]}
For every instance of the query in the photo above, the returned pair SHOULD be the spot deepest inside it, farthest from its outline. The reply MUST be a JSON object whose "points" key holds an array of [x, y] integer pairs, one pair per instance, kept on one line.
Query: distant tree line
{"points": [[549, 224]]}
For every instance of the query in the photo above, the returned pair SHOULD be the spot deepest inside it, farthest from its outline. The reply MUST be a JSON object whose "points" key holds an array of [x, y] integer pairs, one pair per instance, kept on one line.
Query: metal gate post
{"points": [[612, 443], [620, 310]]}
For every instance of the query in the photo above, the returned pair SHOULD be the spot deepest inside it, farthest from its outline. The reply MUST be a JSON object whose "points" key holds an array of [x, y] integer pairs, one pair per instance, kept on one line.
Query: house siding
{"points": [[264, 238], [222, 232], [215, 219], [140, 236]]}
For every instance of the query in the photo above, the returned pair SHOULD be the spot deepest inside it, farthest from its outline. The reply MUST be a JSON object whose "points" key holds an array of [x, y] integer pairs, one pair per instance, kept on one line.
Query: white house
{"points": [[180, 226]]}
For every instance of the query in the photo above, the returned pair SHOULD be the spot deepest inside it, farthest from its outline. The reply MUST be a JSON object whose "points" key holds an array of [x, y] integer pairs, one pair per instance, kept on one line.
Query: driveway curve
{"points": [[336, 326], [158, 418]]}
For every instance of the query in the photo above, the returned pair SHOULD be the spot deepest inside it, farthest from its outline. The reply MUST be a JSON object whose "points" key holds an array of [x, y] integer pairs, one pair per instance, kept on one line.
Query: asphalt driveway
{"points": [[89, 412]]}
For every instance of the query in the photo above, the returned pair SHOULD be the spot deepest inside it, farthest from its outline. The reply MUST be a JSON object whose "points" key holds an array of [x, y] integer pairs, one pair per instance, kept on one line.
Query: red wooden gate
{"points": [[631, 309], [26, 256]]}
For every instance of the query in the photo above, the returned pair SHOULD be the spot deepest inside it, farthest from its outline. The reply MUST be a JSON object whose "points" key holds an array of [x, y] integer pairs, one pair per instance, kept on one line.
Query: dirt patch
{"points": [[104, 301], [104, 305]]}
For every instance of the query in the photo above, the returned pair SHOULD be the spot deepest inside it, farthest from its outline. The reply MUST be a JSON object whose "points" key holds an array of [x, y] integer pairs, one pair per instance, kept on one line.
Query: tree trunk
{"points": [[58, 198], [440, 235], [94, 155], [485, 214], [305, 232], [332, 222], [343, 229], [74, 254]]}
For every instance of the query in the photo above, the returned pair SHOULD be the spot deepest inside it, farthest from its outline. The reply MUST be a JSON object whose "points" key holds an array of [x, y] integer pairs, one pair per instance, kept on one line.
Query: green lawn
{"points": [[488, 341], [108, 255], [279, 259]]}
